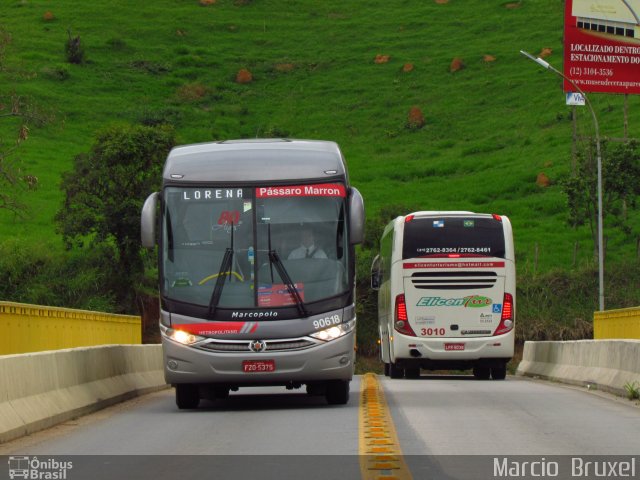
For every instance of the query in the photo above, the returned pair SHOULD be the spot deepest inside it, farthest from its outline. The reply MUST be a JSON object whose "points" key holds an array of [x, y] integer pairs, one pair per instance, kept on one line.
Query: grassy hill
{"points": [[490, 128]]}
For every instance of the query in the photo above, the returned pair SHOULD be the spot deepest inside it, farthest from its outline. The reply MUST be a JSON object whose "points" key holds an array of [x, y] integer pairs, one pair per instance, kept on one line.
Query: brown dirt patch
{"points": [[457, 64], [415, 118], [545, 52], [244, 76], [542, 180]]}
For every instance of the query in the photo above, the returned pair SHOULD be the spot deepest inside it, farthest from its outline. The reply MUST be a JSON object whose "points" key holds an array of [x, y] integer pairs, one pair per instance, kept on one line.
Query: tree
{"points": [[620, 185], [104, 194]]}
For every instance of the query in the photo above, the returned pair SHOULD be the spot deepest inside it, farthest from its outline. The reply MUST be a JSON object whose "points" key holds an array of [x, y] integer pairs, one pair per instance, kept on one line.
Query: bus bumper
{"points": [[332, 360], [416, 350]]}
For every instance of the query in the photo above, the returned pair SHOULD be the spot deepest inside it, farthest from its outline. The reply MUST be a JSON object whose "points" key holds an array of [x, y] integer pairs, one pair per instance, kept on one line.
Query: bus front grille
{"points": [[242, 346]]}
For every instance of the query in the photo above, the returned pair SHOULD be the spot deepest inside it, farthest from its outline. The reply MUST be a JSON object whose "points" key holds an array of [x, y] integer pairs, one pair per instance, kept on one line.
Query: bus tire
{"points": [[395, 371], [337, 392], [482, 373], [499, 373], [386, 369], [187, 396], [413, 372]]}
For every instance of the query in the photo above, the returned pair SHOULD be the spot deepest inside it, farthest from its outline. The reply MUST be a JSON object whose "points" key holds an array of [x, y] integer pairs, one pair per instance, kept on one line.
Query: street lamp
{"points": [[546, 65]]}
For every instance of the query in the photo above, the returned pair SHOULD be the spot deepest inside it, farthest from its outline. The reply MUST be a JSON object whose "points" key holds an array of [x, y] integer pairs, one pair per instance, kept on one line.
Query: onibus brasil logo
{"points": [[471, 301], [33, 468]]}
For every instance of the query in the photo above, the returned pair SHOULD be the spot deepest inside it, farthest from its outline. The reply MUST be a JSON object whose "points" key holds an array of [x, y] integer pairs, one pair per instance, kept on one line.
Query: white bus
{"points": [[256, 264], [446, 293]]}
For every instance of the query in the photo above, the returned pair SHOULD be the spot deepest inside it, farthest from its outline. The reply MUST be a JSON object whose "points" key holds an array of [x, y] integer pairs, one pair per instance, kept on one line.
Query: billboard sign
{"points": [[602, 45]]}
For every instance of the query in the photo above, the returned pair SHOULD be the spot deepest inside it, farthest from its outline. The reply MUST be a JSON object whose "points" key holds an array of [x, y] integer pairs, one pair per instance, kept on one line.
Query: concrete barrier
{"points": [[41, 389], [604, 364]]}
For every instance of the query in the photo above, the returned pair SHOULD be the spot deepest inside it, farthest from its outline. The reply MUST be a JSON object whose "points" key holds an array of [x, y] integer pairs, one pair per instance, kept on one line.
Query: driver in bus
{"points": [[307, 248]]}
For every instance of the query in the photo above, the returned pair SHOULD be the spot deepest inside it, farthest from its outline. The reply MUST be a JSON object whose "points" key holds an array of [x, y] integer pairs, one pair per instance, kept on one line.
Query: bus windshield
{"points": [[258, 247], [444, 236]]}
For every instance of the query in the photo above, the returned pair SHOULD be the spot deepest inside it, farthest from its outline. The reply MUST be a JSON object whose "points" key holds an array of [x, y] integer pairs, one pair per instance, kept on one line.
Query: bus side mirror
{"points": [[356, 216], [375, 273], [148, 221]]}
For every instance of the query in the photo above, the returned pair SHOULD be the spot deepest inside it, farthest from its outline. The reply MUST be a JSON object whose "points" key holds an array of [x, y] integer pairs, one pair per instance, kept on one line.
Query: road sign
{"points": [[574, 98]]}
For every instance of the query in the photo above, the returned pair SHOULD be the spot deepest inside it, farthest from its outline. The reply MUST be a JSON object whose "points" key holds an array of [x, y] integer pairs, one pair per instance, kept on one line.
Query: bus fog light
{"points": [[172, 364]]}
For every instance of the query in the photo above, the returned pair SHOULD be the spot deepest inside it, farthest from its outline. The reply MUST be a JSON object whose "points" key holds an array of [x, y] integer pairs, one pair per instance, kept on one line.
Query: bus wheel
{"points": [[337, 392], [499, 373], [187, 396], [386, 369], [395, 371], [413, 372], [481, 373]]}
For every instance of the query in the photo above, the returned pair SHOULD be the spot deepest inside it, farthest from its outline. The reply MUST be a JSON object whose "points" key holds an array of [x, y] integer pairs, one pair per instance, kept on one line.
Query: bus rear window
{"points": [[436, 236]]}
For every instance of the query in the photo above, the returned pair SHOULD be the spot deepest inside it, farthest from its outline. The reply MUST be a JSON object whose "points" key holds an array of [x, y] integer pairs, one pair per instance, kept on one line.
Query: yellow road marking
{"points": [[380, 454]]}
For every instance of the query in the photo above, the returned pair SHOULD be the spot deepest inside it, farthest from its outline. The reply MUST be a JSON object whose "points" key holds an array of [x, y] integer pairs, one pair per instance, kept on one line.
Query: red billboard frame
{"points": [[602, 45]]}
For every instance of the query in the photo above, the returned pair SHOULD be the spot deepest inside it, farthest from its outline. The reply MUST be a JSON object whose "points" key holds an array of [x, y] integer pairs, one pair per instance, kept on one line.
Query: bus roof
{"points": [[254, 160], [440, 213]]}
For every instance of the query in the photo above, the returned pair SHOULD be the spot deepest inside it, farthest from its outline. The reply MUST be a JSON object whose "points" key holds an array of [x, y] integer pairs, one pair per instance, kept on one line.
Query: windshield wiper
{"points": [[284, 275], [274, 259], [225, 269]]}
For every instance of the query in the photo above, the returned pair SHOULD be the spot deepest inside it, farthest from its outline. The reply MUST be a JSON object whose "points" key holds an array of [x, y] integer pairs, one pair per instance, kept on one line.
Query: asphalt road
{"points": [[270, 430], [440, 415]]}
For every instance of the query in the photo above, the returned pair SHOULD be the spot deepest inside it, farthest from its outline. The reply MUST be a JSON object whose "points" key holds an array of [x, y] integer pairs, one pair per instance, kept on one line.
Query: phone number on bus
{"points": [[454, 250]]}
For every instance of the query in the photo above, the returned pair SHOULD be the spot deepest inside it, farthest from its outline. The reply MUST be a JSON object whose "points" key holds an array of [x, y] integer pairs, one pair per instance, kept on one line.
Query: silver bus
{"points": [[256, 267]]}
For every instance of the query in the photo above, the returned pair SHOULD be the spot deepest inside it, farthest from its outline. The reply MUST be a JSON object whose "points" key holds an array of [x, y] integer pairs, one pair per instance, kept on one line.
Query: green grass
{"points": [[490, 128]]}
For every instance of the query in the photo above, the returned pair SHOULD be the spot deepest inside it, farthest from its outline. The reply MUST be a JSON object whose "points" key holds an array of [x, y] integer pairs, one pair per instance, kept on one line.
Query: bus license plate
{"points": [[253, 366], [453, 347]]}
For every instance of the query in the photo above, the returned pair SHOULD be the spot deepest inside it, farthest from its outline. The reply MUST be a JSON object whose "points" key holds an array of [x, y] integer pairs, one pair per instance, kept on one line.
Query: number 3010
{"points": [[432, 332]]}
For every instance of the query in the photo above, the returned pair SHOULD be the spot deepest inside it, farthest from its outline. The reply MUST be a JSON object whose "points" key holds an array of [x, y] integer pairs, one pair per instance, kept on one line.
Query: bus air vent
{"points": [[271, 345], [453, 280]]}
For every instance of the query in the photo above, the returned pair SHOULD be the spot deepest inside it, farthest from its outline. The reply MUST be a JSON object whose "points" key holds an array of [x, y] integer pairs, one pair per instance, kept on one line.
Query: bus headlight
{"points": [[336, 331], [180, 336]]}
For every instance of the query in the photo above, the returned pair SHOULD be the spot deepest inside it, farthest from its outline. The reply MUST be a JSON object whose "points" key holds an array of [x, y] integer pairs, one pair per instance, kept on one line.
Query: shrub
{"points": [[74, 49]]}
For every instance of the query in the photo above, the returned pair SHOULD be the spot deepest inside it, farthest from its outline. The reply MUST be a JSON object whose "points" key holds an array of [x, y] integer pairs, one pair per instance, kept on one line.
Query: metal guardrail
{"points": [[617, 324], [34, 328]]}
